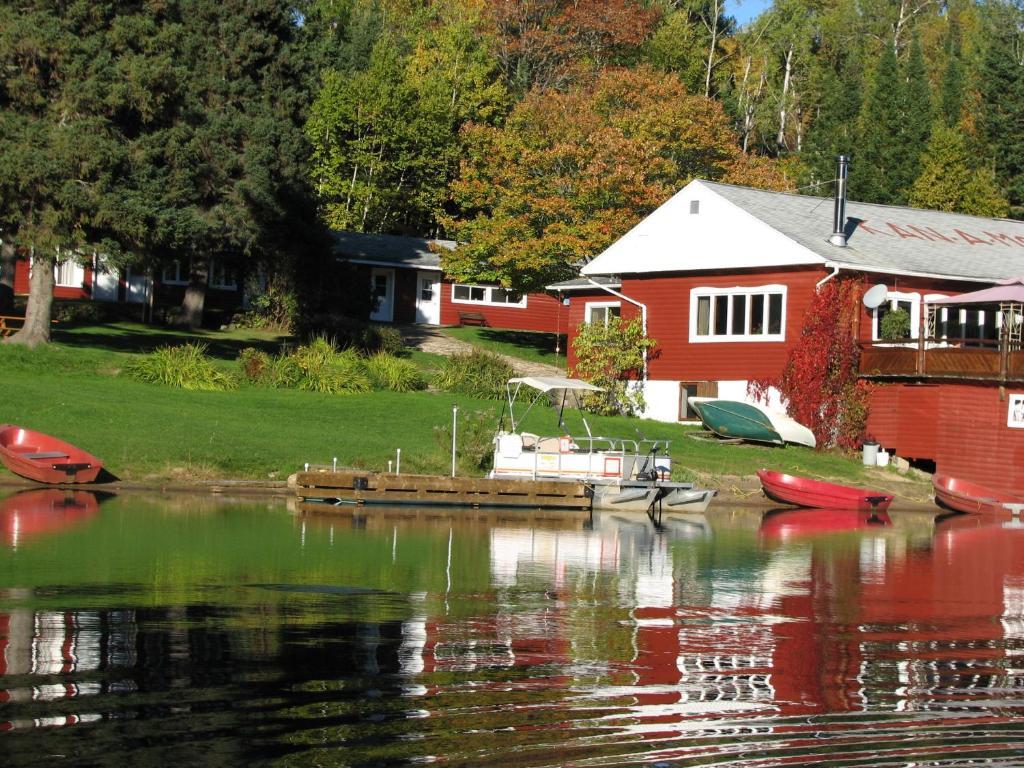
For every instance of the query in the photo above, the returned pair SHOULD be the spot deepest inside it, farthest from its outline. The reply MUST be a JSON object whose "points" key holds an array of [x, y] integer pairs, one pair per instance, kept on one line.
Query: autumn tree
{"points": [[549, 43], [569, 173], [950, 181]]}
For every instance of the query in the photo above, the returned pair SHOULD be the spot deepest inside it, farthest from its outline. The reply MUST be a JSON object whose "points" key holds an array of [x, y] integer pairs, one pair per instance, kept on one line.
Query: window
{"points": [[908, 302], [69, 273], [175, 273], [600, 311], [757, 313], [221, 276], [487, 294], [426, 289]]}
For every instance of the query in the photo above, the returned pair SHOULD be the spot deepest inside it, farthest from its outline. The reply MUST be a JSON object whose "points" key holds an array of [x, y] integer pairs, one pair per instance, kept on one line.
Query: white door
{"points": [[105, 281], [428, 298], [382, 290]]}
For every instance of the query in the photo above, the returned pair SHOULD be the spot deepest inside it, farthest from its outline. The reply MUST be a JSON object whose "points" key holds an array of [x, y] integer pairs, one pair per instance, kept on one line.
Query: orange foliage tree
{"points": [[569, 173]]}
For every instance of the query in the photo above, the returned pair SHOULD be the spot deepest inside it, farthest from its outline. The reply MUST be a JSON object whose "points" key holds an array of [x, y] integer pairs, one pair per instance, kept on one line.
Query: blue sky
{"points": [[745, 10]]}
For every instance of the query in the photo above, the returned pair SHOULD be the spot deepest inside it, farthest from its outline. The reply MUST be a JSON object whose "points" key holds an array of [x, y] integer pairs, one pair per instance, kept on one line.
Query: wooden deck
{"points": [[978, 363], [361, 488]]}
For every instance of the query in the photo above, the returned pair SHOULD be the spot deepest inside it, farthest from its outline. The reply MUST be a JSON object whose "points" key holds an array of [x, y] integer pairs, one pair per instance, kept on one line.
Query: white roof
{"points": [[707, 225], [549, 383]]}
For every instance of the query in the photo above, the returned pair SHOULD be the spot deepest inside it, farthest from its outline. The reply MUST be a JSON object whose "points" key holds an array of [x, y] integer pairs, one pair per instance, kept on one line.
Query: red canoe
{"points": [[794, 523], [45, 459], [29, 514], [964, 496], [805, 492]]}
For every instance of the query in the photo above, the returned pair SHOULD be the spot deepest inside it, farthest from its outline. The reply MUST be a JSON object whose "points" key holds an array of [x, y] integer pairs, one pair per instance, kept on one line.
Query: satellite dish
{"points": [[876, 295]]}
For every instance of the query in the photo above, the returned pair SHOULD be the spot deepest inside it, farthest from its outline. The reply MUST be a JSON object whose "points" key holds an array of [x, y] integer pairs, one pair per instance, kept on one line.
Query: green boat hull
{"points": [[733, 419]]}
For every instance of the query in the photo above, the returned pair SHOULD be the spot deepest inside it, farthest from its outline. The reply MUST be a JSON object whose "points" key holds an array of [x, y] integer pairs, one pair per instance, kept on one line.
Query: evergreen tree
{"points": [[916, 111], [833, 130], [878, 154], [60, 88], [950, 182], [951, 89], [1001, 117]]}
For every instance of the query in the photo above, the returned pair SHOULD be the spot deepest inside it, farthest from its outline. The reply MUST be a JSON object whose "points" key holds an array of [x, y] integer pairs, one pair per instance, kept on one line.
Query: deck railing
{"points": [[969, 359]]}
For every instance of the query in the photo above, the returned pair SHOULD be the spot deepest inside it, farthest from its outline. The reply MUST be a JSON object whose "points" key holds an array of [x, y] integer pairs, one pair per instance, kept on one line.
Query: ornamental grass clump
{"points": [[185, 367], [478, 374], [324, 369], [394, 373], [257, 365]]}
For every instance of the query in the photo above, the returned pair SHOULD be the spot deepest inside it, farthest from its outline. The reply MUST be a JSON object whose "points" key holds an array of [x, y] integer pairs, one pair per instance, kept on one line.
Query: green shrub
{"points": [[385, 338], [274, 307], [479, 374], [474, 442], [348, 332], [286, 373], [610, 356], [185, 367], [895, 325], [257, 365], [394, 373]]}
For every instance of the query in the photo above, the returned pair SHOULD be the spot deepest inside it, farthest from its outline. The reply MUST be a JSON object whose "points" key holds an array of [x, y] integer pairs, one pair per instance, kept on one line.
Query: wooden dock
{"points": [[361, 487]]}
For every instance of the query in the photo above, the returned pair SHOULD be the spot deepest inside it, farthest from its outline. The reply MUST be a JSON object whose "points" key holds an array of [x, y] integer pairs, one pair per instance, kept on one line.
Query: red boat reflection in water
{"points": [[29, 514], [785, 524]]}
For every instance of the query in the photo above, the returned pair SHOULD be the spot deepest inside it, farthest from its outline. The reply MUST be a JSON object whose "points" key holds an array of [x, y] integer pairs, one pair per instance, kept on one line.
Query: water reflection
{"points": [[241, 633]]}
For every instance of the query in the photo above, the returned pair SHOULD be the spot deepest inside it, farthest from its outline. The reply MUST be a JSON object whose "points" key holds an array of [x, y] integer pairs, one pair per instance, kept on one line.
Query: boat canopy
{"points": [[550, 383], [547, 387]]}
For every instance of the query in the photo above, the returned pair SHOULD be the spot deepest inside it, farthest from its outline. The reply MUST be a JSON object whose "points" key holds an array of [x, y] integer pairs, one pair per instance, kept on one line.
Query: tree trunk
{"points": [[191, 315], [780, 138], [7, 264], [38, 311], [713, 29]]}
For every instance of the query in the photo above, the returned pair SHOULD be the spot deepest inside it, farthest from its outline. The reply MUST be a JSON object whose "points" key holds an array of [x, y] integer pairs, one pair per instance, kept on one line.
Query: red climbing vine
{"points": [[819, 382]]}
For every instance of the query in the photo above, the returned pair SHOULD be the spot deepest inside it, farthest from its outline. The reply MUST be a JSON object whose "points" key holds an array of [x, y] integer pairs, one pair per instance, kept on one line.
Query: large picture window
{"points": [[756, 313], [175, 273], [69, 274], [221, 276], [487, 294]]}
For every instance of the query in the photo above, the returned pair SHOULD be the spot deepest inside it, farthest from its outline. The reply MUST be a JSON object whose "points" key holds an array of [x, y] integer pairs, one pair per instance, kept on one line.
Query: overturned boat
{"points": [[750, 421], [629, 474]]}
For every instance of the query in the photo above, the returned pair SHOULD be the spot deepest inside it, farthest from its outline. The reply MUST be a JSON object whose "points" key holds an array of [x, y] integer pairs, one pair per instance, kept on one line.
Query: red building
{"points": [[722, 277], [409, 286]]}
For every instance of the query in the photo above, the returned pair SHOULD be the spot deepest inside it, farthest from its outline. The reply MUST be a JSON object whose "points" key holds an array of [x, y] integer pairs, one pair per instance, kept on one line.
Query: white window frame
{"points": [[225, 271], [590, 306], [74, 273], [177, 266], [739, 290], [892, 298], [488, 293]]}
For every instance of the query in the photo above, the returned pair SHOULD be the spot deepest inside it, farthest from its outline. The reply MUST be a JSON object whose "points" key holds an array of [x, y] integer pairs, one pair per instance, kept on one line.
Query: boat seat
{"points": [[46, 455]]}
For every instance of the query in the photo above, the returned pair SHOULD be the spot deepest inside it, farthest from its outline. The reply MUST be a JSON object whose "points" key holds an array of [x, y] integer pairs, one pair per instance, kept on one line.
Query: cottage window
{"points": [[69, 273], [755, 313], [599, 311], [908, 302], [221, 276], [175, 273], [487, 294]]}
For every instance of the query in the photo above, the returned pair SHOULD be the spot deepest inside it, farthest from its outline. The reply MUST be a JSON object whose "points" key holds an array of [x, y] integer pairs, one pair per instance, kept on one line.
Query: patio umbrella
{"points": [[1006, 291]]}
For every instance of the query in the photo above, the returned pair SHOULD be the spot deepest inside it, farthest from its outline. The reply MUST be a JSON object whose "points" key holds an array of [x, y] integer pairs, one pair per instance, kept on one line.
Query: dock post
{"points": [[455, 424]]}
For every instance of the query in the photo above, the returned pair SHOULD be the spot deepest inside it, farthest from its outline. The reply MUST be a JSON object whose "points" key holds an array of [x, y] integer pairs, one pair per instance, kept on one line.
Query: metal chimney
{"points": [[839, 217]]}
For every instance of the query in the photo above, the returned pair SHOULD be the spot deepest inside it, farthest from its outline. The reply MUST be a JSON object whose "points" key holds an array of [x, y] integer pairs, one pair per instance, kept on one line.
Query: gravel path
{"points": [[429, 339]]}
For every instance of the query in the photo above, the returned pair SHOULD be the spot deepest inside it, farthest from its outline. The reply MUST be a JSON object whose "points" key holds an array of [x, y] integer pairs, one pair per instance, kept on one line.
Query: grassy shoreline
{"points": [[149, 434]]}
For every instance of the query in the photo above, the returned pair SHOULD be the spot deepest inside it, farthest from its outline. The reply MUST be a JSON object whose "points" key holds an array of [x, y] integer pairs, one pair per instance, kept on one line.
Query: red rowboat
{"points": [[794, 523], [45, 459], [29, 514], [964, 496], [805, 492]]}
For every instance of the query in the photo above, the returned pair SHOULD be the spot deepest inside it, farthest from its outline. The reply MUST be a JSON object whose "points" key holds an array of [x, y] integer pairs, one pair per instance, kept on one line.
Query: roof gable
{"points": [[881, 238]]}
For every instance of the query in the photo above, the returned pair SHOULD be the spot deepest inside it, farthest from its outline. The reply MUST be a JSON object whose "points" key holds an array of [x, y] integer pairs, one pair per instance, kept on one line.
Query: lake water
{"points": [[186, 631]]}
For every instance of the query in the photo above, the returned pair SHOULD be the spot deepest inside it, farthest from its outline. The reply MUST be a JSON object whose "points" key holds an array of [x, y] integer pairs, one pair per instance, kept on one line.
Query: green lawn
{"points": [[72, 389], [526, 345]]}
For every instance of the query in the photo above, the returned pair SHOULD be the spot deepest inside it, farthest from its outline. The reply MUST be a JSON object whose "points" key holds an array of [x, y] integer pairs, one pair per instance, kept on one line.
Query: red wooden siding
{"points": [[21, 283], [961, 427], [541, 313], [668, 322]]}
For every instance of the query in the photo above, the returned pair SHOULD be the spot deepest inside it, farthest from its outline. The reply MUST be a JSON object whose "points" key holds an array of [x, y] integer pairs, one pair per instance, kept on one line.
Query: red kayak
{"points": [[29, 514], [45, 459], [964, 496], [805, 492], [794, 523]]}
